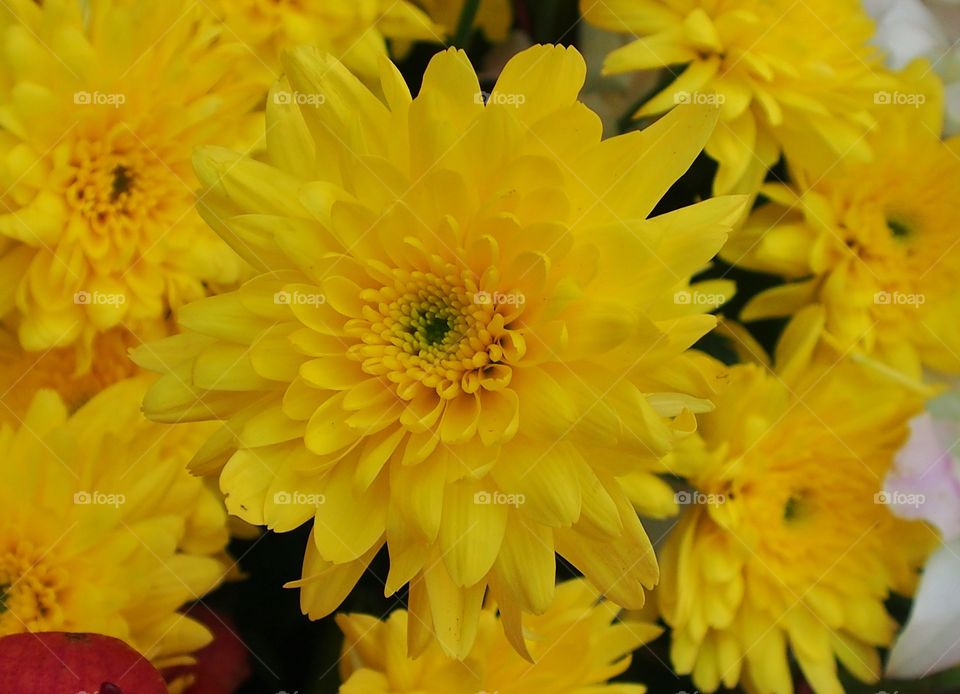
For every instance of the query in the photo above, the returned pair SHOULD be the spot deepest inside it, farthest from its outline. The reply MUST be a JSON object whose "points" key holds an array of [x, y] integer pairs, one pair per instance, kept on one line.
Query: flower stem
{"points": [[468, 14]]}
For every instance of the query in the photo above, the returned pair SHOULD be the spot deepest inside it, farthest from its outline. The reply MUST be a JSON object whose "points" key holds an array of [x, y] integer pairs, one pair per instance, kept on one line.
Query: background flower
{"points": [[872, 243], [102, 528], [793, 78], [101, 112], [355, 32], [576, 646], [788, 543]]}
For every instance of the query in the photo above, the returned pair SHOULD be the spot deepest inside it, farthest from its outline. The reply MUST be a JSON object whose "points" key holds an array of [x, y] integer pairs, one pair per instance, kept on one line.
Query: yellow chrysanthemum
{"points": [[102, 529], [576, 646], [875, 244], [355, 31], [100, 112], [791, 77], [788, 545], [464, 332]]}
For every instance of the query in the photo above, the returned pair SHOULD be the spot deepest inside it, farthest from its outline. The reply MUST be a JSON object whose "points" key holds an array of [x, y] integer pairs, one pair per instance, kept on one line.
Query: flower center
{"points": [[437, 331], [117, 185], [29, 588], [898, 228], [432, 323], [797, 507], [122, 182], [123, 195]]}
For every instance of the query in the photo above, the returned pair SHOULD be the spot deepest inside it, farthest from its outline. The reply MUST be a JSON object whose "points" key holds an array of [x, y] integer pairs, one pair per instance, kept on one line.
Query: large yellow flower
{"points": [[102, 529], [576, 646], [355, 31], [789, 544], [464, 332], [791, 77], [100, 112], [875, 244]]}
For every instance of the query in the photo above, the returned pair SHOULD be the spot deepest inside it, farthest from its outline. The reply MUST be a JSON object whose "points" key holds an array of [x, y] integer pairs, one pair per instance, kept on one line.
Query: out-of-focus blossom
{"points": [[355, 32], [102, 530], [786, 549], [874, 244], [791, 78], [574, 648], [101, 111]]}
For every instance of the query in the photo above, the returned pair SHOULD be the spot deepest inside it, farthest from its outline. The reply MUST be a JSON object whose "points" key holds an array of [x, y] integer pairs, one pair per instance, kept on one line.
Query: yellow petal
{"points": [[471, 531], [526, 564]]}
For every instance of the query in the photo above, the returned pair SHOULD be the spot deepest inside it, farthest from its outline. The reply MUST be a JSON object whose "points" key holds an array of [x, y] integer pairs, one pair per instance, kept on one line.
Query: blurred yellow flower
{"points": [[100, 112], [576, 646], [875, 244], [355, 31], [494, 17], [103, 530], [788, 542], [465, 330], [797, 78], [24, 373]]}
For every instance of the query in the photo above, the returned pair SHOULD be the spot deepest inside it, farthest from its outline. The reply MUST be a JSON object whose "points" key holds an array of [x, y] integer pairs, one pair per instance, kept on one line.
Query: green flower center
{"points": [[438, 330], [434, 329]]}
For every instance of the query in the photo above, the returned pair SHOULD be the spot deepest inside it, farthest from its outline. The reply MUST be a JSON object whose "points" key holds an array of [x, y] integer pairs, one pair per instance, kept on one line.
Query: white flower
{"points": [[928, 468], [929, 642]]}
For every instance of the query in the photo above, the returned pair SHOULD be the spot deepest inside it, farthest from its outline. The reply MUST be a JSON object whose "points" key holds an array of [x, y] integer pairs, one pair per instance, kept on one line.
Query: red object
{"points": [[56, 662], [223, 665]]}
